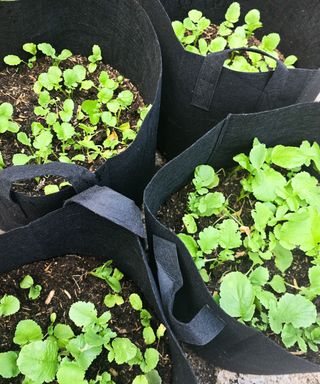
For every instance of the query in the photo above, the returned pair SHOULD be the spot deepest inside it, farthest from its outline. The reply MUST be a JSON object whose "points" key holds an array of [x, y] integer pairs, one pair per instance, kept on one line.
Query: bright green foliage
{"points": [[9, 305], [237, 296], [285, 219], [112, 276], [192, 35], [98, 128], [64, 355], [8, 365], [34, 289], [149, 335]]}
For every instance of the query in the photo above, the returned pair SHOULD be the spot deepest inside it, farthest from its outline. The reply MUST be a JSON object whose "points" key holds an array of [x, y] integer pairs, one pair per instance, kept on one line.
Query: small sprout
{"points": [[34, 289], [192, 35]]}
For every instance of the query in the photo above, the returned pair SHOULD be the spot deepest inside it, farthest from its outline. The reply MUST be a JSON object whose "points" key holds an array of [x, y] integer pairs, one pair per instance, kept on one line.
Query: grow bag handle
{"points": [[205, 325], [79, 177], [113, 206], [211, 71]]}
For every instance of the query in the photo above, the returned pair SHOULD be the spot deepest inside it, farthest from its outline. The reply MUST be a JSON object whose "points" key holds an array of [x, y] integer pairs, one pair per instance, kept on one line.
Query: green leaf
{"points": [[70, 372], [211, 204], [237, 296], [47, 49], [179, 29], [27, 331], [190, 243], [293, 309], [258, 154], [252, 17], [209, 240], [43, 140], [290, 60], [261, 216], [111, 300], [82, 313], [277, 284], [63, 332], [35, 292], [218, 44], [270, 42], [12, 60], [39, 361], [283, 258], [229, 233], [105, 95], [30, 48], [307, 188], [259, 276], [141, 379], [153, 377], [51, 189], [21, 159], [65, 54], [27, 282], [24, 139], [195, 15], [8, 365], [161, 331], [151, 360], [233, 13], [288, 157], [205, 177], [125, 97], [135, 301], [301, 229], [124, 350], [83, 352], [266, 183], [148, 335], [190, 223], [9, 305]]}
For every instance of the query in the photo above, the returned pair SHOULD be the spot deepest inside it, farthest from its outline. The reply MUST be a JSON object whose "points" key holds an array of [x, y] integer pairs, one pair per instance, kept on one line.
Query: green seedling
{"points": [[64, 130], [192, 35], [64, 353], [285, 218], [34, 289]]}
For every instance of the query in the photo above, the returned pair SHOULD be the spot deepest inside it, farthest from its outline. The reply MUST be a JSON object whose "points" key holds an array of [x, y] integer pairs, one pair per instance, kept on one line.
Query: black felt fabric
{"points": [[77, 229], [183, 119], [231, 345], [128, 42]]}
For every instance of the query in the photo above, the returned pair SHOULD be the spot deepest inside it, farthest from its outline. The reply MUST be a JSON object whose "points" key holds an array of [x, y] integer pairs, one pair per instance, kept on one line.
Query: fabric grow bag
{"points": [[198, 92], [128, 42], [97, 223], [194, 316]]}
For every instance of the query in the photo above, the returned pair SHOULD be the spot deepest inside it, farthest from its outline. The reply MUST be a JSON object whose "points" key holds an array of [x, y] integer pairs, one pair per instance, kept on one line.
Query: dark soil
{"points": [[68, 279], [172, 211], [16, 87]]}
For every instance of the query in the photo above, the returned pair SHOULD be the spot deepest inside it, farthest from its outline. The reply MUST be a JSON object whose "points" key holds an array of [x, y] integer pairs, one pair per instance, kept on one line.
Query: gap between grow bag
{"points": [[198, 92], [193, 314], [128, 43], [97, 223]]}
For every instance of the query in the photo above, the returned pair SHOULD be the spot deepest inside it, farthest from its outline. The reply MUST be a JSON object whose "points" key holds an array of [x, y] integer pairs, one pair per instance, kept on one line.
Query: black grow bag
{"points": [[194, 316], [128, 42], [198, 92], [97, 223]]}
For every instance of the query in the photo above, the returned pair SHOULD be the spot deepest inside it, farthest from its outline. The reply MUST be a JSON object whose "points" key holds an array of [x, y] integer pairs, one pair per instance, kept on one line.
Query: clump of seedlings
{"points": [[67, 108], [254, 235], [111, 338], [199, 35]]}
